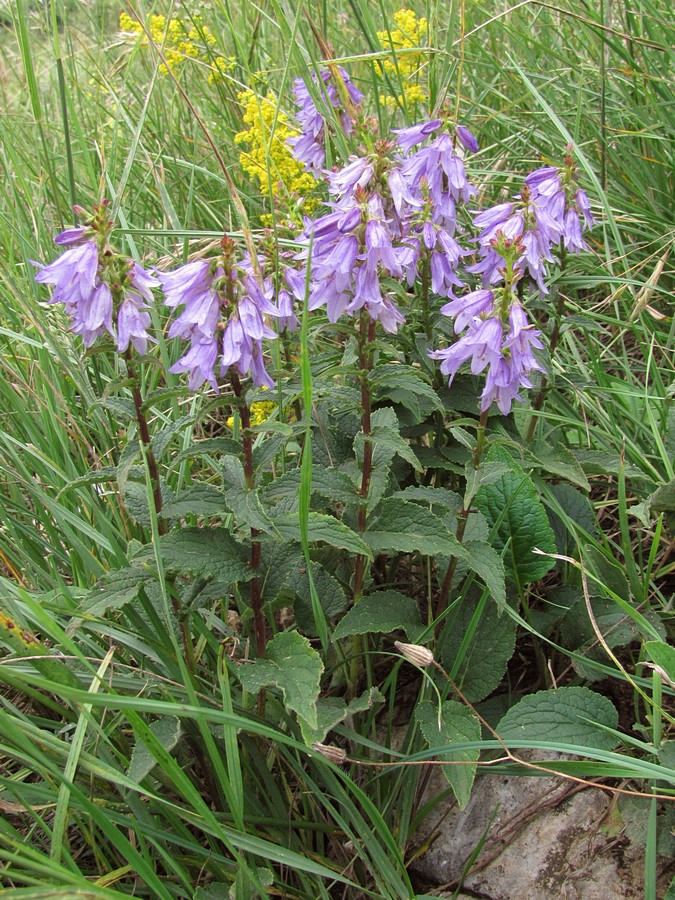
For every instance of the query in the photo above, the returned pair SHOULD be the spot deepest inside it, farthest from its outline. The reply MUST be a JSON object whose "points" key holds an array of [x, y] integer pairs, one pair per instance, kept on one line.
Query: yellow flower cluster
{"points": [[179, 41], [259, 412], [409, 34], [267, 156]]}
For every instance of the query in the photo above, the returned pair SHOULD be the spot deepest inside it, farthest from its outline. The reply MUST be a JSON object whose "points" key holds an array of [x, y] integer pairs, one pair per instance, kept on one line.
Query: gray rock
{"points": [[546, 838]]}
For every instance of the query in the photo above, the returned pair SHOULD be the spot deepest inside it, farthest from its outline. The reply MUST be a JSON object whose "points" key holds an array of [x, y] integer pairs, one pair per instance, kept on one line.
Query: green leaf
{"points": [[664, 656], [136, 500], [559, 461], [390, 441], [404, 527], [456, 725], [168, 731], [488, 472], [128, 457], [295, 668], [244, 503], [115, 590], [477, 666], [118, 405], [208, 447], [333, 710], [432, 496], [207, 552], [332, 596], [323, 528], [514, 511], [486, 562], [331, 484], [404, 385], [566, 715], [381, 613], [198, 500], [162, 439]]}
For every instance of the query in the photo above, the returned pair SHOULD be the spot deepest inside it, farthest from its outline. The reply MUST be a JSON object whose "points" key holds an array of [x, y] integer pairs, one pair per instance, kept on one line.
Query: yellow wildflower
{"points": [[410, 33], [267, 156], [260, 411], [178, 40]]}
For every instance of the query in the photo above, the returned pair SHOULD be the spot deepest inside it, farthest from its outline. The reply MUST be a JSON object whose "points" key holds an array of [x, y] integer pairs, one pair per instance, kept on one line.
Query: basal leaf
{"points": [[514, 511], [199, 499], [291, 665], [486, 562], [481, 666], [456, 725], [333, 710], [382, 613], [566, 715]]}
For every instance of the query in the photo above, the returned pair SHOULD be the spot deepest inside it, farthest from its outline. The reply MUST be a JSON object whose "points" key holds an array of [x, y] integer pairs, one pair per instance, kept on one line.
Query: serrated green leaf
{"points": [[127, 459], [333, 710], [266, 452], [207, 552], [115, 589], [455, 725], [517, 516], [403, 527], [291, 665], [483, 662], [136, 500], [244, 503], [198, 500], [168, 731], [403, 384], [208, 447], [323, 528], [391, 441], [332, 596], [118, 405], [331, 484], [433, 496], [559, 461], [381, 613], [566, 715], [486, 562], [575, 506], [597, 462], [488, 472], [663, 499], [162, 439]]}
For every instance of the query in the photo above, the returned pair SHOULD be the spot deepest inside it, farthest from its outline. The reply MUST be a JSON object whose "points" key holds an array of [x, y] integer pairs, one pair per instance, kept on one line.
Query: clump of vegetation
{"points": [[347, 391]]}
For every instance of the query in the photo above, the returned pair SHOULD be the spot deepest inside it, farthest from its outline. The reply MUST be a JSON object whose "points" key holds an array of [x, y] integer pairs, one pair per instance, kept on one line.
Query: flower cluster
{"points": [[101, 290], [268, 157], [179, 41], [309, 147], [549, 211], [498, 337], [393, 214], [407, 62], [224, 304]]}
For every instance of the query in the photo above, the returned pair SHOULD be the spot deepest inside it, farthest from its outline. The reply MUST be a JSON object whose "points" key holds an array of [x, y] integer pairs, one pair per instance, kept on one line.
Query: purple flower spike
{"points": [[223, 295]]}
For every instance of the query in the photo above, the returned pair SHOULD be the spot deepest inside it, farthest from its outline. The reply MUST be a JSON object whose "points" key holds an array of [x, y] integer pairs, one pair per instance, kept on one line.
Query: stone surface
{"points": [[546, 838]]}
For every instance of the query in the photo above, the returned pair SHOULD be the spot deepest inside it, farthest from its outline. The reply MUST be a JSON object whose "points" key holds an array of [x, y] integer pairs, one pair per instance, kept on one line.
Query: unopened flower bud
{"points": [[335, 754], [415, 654]]}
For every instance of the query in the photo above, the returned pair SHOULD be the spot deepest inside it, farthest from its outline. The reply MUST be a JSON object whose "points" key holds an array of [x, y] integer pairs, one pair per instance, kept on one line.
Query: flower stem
{"points": [[247, 444], [538, 401], [144, 433]]}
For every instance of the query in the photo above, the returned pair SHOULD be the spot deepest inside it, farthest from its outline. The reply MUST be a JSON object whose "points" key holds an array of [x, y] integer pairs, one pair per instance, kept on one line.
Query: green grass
{"points": [[150, 773]]}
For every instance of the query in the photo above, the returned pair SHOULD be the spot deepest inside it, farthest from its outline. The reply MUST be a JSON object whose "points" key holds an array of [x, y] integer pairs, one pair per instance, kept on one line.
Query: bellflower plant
{"points": [[101, 290], [224, 305]]}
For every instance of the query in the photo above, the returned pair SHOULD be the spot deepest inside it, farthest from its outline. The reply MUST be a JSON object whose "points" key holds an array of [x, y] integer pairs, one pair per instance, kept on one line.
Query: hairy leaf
{"points": [[455, 725]]}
